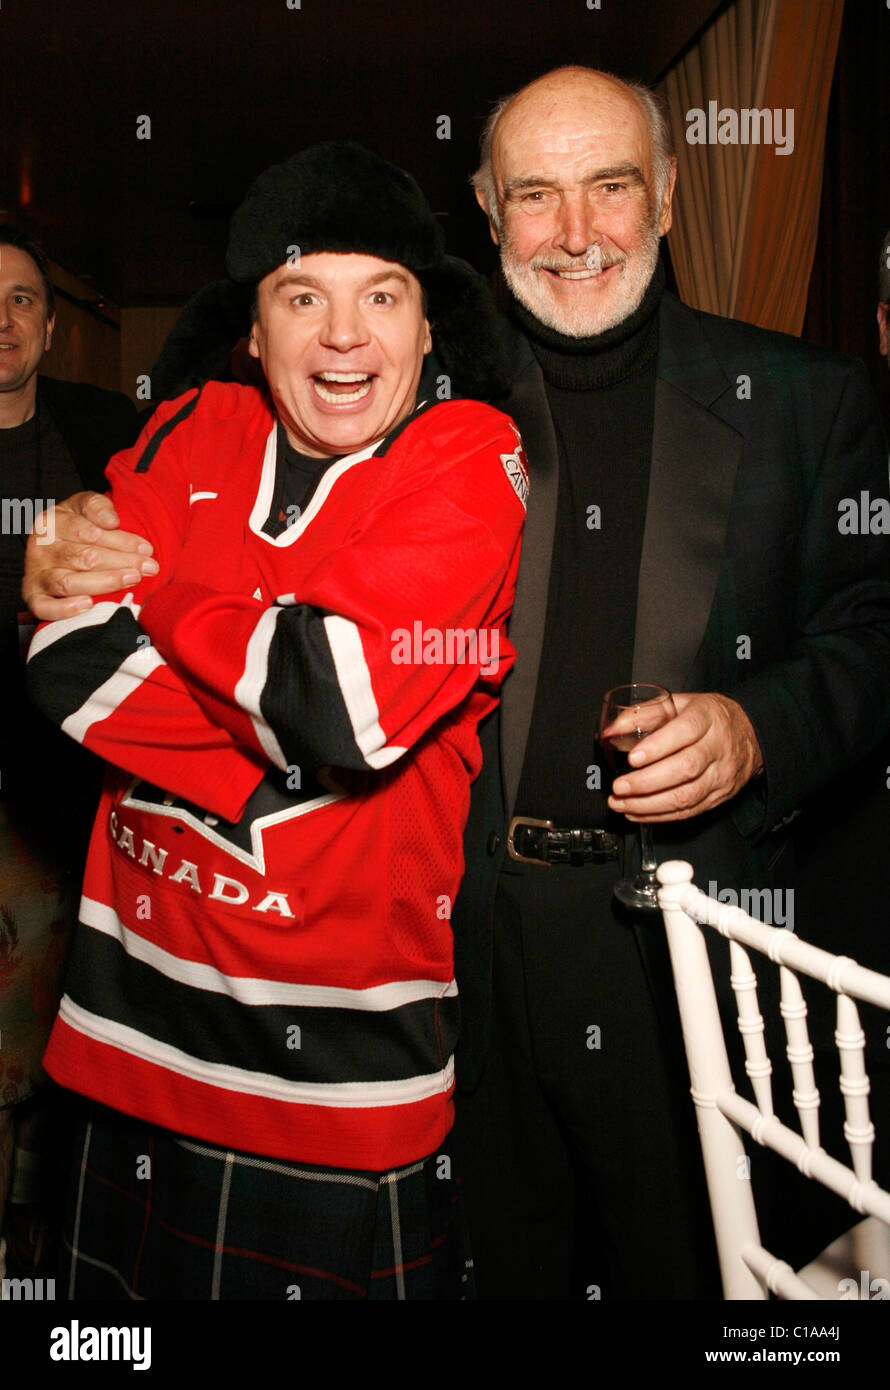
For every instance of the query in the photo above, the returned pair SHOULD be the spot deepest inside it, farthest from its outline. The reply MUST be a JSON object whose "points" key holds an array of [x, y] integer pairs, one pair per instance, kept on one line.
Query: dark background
{"points": [[855, 212], [235, 85]]}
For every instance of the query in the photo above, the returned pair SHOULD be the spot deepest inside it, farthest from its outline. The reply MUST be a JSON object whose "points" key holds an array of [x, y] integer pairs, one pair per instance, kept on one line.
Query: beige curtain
{"points": [[745, 216]]}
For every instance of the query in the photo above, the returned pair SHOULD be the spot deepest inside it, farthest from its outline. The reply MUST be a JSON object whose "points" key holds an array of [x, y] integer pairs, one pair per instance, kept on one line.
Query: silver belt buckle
{"points": [[511, 848]]}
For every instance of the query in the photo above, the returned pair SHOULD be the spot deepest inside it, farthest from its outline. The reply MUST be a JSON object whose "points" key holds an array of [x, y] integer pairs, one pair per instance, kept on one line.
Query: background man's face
{"points": [[573, 168], [341, 339], [25, 331]]}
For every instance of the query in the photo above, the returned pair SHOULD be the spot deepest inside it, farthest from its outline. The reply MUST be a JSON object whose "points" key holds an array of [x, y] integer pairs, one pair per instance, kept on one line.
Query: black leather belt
{"points": [[540, 842]]}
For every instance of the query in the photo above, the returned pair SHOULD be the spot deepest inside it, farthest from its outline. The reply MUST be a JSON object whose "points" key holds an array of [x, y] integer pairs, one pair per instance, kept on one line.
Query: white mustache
{"points": [[592, 260]]}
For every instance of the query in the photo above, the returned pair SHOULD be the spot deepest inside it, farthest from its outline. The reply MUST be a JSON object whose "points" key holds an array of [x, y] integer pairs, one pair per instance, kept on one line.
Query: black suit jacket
{"points": [[757, 439], [94, 424]]}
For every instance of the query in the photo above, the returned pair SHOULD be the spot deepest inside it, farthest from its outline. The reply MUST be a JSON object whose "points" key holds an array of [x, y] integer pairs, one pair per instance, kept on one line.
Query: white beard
{"points": [[530, 284]]}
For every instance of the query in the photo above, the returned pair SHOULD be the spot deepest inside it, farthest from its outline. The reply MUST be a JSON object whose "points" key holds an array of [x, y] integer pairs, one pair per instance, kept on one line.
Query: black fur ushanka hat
{"points": [[340, 196], [336, 196]]}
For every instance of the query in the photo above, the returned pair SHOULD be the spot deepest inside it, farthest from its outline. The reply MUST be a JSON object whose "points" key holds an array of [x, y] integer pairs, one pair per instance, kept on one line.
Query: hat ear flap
{"points": [[467, 333], [200, 343]]}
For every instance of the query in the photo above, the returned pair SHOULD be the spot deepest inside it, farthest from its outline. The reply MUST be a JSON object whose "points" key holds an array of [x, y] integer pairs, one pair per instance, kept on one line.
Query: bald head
{"points": [[562, 100], [577, 179]]}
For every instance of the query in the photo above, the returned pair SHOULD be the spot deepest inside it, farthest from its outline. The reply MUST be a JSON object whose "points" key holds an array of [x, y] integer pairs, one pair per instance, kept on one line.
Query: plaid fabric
{"points": [[155, 1215]]}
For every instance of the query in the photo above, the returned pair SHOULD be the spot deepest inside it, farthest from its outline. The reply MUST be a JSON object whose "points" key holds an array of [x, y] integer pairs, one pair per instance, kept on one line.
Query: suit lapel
{"points": [[695, 455], [528, 406]]}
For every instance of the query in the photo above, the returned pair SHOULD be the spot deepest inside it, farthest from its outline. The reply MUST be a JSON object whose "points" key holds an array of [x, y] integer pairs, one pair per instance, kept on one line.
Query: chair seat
{"points": [[864, 1249]]}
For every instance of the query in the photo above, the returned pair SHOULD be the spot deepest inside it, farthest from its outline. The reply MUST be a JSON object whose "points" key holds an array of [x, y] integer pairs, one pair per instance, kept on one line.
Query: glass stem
{"points": [[648, 862]]}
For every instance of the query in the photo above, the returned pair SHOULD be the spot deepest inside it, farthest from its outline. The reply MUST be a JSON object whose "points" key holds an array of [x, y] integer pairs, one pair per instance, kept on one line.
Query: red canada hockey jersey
{"points": [[264, 958]]}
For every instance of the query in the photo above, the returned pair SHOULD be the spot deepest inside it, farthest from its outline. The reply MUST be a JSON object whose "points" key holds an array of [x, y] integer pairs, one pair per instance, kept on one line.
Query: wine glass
{"points": [[629, 713]]}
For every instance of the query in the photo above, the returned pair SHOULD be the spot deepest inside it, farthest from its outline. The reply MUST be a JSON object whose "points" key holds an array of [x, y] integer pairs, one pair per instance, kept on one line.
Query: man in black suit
{"points": [[683, 529], [55, 438]]}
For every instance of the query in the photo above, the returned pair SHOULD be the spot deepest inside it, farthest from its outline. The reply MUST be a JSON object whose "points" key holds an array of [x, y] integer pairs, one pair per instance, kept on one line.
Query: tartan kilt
{"points": [[156, 1215]]}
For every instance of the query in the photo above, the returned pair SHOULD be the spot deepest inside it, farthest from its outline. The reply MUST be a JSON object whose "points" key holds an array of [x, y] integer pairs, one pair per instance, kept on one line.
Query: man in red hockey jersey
{"points": [[261, 1006]]}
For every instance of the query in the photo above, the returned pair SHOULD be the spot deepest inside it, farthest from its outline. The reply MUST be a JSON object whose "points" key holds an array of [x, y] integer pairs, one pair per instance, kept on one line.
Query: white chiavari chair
{"points": [[747, 1269]]}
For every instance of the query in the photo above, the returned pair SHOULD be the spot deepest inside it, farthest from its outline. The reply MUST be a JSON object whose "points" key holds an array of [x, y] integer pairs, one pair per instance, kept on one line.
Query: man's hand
{"points": [[691, 764], [87, 555]]}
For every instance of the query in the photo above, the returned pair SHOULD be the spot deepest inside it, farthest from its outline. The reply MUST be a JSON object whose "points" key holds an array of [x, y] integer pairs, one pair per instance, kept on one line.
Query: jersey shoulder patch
{"points": [[516, 468]]}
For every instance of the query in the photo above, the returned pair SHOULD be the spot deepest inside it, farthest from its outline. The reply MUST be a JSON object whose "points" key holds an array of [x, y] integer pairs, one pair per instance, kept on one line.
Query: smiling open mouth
{"points": [[342, 388], [584, 273]]}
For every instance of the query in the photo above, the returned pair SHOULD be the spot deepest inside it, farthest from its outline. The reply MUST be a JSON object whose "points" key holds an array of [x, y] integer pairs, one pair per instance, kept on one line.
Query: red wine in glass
{"points": [[629, 713], [617, 750]]}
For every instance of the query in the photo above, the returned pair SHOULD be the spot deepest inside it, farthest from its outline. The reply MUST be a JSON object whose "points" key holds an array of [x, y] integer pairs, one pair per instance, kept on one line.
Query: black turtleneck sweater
{"points": [[601, 392]]}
